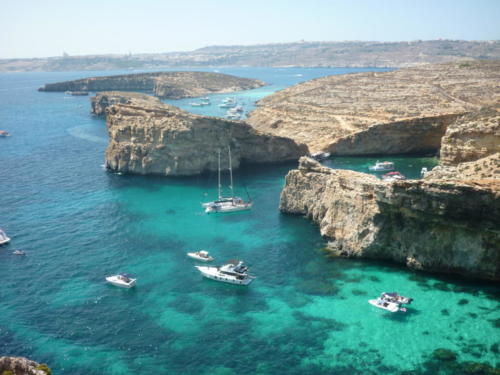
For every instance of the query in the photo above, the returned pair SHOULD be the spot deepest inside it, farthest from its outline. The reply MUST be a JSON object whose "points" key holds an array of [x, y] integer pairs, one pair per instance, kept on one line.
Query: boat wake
{"points": [[82, 132]]}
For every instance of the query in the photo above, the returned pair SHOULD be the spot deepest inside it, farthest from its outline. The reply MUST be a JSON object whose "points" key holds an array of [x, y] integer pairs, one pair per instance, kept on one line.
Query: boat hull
{"points": [[389, 306], [4, 241], [113, 281], [211, 273], [201, 259], [227, 208]]}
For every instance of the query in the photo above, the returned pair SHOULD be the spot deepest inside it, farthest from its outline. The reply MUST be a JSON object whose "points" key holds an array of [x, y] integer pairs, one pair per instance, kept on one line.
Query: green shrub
{"points": [[45, 368], [7, 372]]}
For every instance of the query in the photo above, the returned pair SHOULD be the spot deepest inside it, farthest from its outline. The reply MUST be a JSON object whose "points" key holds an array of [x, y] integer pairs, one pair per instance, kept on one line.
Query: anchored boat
{"points": [[122, 280], [393, 176], [201, 255], [382, 166], [227, 204], [234, 272], [391, 302]]}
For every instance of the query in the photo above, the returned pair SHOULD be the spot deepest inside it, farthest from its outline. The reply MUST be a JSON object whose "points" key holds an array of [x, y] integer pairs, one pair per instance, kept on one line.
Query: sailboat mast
{"points": [[230, 172], [218, 175]]}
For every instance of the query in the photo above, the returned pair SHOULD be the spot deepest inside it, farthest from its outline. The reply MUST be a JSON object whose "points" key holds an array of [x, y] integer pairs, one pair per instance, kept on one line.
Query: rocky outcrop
{"points": [[172, 85], [103, 100], [433, 224], [156, 138], [373, 113], [471, 137], [22, 366]]}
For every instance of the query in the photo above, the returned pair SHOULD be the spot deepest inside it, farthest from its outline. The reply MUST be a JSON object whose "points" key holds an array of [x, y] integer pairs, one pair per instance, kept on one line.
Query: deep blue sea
{"points": [[306, 313]]}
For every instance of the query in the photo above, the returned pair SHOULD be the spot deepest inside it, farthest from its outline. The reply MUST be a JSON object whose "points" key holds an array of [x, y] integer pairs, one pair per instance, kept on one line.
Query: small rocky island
{"points": [[22, 366], [447, 222], [171, 85], [404, 111], [149, 137]]}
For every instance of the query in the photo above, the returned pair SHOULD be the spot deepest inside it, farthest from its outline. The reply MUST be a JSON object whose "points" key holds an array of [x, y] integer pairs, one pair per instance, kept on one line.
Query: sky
{"points": [[41, 28]]}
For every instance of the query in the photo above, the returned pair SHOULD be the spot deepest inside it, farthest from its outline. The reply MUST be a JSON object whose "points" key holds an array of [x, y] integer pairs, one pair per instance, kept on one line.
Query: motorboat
{"points": [[4, 133], [233, 272], [320, 156], [393, 176], [228, 100], [382, 166], [195, 104], [121, 280], [238, 109], [226, 204], [3, 238], [423, 172], [202, 256], [233, 114], [205, 101], [19, 252], [391, 302], [227, 105]]}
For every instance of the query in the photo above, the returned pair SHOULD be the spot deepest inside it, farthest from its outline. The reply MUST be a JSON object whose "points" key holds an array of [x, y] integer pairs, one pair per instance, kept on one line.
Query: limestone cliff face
{"points": [[172, 85], [103, 100], [354, 113], [20, 366], [471, 137], [432, 224], [155, 138]]}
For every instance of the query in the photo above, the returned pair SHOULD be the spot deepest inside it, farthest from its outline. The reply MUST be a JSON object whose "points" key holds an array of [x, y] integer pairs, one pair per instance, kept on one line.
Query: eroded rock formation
{"points": [[403, 111], [103, 100], [172, 85], [21, 366], [471, 137], [149, 137], [432, 224]]}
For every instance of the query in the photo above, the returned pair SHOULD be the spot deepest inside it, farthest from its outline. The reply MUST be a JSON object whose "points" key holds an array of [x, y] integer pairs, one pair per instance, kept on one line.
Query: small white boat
{"points": [[319, 156], [382, 304], [393, 176], [391, 302], [121, 280], [4, 133], [19, 252], [382, 166], [3, 238], [194, 104], [227, 105], [423, 172], [234, 272], [201, 255], [228, 100]]}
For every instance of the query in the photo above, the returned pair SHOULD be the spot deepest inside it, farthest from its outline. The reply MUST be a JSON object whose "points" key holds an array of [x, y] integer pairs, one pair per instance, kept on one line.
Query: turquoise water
{"points": [[306, 313]]}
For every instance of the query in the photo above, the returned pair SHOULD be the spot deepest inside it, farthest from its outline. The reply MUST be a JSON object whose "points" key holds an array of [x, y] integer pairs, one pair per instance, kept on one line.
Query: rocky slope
{"points": [[434, 224], [403, 111], [172, 85], [347, 54], [21, 366], [149, 137], [472, 137], [104, 99]]}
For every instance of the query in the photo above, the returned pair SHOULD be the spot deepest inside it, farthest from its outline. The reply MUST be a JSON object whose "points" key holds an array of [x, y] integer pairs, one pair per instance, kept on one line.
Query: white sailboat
{"points": [[227, 204]]}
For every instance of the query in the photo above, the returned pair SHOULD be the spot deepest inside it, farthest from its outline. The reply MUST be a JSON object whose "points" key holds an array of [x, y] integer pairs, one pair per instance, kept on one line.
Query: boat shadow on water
{"points": [[400, 316]]}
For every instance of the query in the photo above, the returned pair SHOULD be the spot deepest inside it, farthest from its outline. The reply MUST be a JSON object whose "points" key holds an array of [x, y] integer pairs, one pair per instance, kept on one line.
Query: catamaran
{"points": [[227, 204]]}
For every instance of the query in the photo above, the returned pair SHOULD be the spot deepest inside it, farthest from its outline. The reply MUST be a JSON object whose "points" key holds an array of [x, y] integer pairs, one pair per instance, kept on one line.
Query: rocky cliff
{"points": [[156, 138], [22, 366], [104, 99], [471, 137], [172, 85], [434, 224], [396, 112]]}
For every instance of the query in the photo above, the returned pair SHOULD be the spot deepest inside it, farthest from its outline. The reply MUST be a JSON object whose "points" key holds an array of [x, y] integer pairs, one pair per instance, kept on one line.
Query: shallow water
{"points": [[306, 312]]}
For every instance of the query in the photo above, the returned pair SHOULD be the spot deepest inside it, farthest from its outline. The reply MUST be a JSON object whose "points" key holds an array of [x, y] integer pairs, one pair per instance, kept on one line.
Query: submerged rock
{"points": [[149, 137]]}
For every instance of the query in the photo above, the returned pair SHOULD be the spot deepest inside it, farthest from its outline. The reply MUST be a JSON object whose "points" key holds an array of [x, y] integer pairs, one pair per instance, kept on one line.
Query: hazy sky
{"points": [[35, 28]]}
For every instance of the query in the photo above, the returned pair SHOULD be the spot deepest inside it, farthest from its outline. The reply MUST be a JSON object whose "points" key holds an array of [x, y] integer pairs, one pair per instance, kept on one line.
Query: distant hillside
{"points": [[301, 54]]}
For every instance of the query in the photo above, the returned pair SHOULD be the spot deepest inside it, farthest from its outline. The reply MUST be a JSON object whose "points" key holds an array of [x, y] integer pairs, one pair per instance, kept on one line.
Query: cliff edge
{"points": [[433, 224], [22, 366], [404, 111], [149, 137]]}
